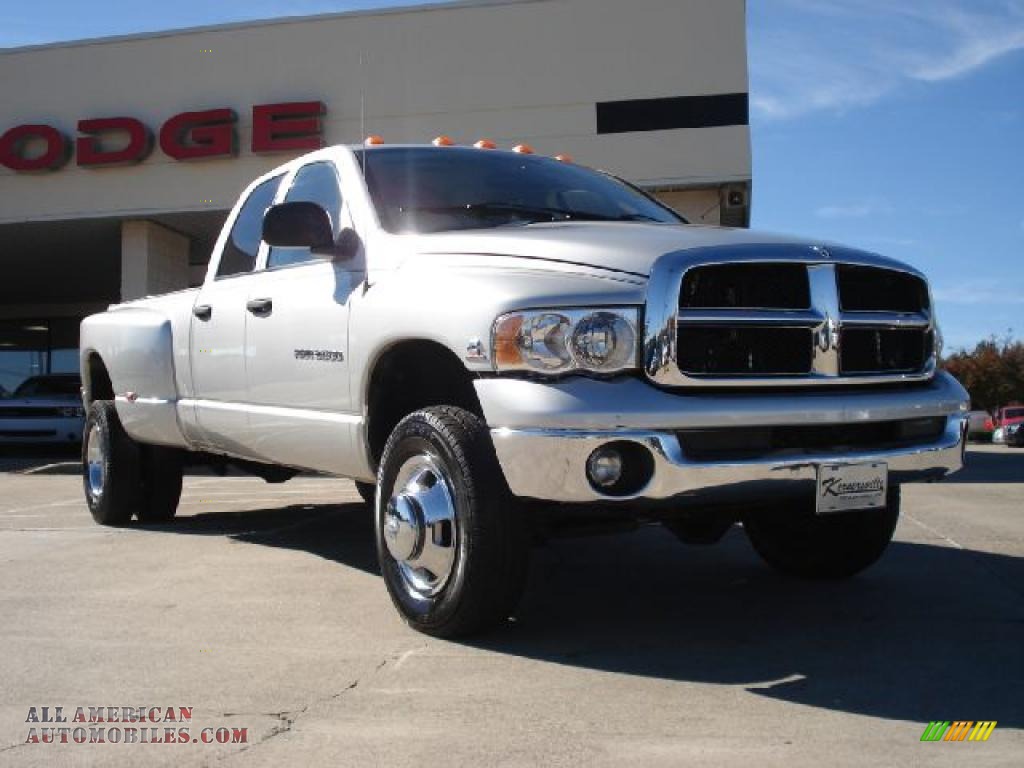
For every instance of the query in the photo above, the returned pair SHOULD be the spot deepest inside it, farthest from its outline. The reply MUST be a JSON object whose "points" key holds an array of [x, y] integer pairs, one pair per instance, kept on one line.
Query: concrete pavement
{"points": [[261, 608]]}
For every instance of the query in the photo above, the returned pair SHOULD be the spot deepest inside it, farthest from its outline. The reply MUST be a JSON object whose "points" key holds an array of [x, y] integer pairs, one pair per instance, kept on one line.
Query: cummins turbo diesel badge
{"points": [[320, 355]]}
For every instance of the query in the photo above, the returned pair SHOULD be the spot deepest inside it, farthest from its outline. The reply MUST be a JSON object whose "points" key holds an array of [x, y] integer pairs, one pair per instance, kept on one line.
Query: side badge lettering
{"points": [[320, 355]]}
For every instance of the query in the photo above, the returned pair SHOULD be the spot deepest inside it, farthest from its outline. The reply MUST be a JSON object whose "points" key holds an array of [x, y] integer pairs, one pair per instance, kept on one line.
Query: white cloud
{"points": [[903, 242], [855, 211], [836, 55], [858, 210], [978, 39]]}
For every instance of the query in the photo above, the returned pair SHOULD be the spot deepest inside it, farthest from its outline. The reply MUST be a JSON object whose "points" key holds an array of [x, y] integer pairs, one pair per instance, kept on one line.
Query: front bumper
{"points": [[544, 433], [31, 431]]}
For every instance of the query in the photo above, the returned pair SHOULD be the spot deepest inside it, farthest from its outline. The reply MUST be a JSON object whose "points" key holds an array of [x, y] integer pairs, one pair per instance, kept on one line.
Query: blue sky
{"points": [[893, 126]]}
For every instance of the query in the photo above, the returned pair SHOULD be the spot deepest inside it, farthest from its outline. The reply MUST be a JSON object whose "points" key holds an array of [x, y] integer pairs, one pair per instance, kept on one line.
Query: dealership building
{"points": [[120, 157]]}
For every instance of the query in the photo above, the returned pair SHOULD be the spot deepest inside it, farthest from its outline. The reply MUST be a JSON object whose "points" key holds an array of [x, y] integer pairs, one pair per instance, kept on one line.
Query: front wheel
{"points": [[451, 541], [800, 543], [367, 492]]}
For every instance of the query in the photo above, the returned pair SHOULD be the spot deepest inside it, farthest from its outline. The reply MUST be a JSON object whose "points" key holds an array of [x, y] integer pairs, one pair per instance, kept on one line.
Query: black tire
{"points": [[490, 538], [367, 491], [828, 547], [111, 478], [701, 529], [160, 474]]}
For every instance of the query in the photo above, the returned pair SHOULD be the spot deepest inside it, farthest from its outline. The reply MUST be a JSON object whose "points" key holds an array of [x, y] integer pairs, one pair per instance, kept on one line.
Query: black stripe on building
{"points": [[671, 113]]}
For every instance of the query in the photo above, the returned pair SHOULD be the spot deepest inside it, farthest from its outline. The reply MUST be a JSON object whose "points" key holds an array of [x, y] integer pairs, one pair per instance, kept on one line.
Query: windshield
{"points": [[425, 189], [1013, 413], [49, 386]]}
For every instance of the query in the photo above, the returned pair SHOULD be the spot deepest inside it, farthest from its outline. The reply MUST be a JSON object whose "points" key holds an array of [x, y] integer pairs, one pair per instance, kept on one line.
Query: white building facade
{"points": [[120, 157]]}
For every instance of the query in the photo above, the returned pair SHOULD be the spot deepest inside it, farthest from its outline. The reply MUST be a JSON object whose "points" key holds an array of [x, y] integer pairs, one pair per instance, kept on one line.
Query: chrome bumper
{"points": [[549, 462]]}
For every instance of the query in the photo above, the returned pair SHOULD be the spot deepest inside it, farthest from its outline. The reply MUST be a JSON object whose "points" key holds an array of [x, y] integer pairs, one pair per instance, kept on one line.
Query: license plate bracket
{"points": [[846, 487]]}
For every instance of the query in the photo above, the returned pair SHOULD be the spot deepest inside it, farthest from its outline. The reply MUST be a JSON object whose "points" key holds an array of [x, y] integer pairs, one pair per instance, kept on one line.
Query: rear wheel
{"points": [[451, 540], [834, 546], [121, 477], [110, 467], [161, 472]]}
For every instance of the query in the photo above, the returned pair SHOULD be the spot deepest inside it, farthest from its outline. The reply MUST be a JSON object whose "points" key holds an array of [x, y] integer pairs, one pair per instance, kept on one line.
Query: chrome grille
{"points": [[883, 350], [811, 319], [870, 289], [730, 351], [749, 286]]}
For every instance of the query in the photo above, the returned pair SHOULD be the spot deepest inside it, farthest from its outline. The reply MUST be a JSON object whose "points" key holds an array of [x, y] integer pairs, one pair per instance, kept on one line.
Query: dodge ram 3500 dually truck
{"points": [[496, 346]]}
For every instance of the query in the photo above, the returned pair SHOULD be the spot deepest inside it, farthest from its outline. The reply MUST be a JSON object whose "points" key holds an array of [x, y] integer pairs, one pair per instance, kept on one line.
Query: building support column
{"points": [[154, 260]]}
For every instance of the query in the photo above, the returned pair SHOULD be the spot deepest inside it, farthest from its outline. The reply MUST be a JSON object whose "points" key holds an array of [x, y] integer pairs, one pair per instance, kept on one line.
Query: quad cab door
{"points": [[300, 409], [217, 343]]}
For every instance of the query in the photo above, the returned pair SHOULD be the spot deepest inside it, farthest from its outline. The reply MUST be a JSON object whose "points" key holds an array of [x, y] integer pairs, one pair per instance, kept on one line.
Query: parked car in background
{"points": [[43, 409], [1015, 435], [1006, 417], [979, 425], [1011, 414]]}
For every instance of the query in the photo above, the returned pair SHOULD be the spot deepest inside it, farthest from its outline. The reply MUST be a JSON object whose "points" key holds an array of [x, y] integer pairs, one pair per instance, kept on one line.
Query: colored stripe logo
{"points": [[960, 730]]}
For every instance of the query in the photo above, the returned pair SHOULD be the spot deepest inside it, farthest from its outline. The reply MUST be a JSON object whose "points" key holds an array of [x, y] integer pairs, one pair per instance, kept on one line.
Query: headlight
{"points": [[562, 340]]}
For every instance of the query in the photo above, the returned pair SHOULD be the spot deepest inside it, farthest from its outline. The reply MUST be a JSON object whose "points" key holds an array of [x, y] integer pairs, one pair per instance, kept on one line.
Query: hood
{"points": [[627, 247]]}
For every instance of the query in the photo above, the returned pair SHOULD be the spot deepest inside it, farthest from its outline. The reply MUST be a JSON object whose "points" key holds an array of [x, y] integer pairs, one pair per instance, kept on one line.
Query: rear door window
{"points": [[243, 245]]}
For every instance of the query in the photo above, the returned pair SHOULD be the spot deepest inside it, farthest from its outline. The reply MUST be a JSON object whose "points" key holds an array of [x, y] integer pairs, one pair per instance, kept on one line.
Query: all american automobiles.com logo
{"points": [[124, 725]]}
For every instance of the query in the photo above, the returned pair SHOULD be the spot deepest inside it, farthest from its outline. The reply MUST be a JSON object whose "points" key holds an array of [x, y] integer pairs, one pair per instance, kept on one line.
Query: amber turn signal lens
{"points": [[443, 141], [485, 144], [373, 141], [564, 158], [523, 149], [506, 347]]}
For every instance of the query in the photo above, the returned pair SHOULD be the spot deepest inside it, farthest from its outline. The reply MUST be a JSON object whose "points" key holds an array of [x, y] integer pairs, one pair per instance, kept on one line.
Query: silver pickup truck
{"points": [[498, 346]]}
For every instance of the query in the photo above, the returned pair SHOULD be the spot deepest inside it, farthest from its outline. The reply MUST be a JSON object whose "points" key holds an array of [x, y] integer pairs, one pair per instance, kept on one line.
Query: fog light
{"points": [[604, 467]]}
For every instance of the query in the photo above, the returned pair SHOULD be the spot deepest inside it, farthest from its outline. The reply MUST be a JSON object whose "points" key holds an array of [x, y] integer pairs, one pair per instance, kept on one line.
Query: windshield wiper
{"points": [[533, 212], [636, 217]]}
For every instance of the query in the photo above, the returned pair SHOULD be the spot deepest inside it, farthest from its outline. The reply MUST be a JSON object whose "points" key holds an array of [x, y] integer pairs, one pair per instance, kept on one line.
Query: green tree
{"points": [[993, 372]]}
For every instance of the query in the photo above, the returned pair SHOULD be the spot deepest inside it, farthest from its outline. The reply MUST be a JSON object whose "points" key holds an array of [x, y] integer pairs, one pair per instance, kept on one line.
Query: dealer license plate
{"points": [[843, 487]]}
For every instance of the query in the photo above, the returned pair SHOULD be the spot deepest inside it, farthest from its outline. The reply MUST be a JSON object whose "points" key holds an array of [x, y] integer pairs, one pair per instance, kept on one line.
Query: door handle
{"points": [[260, 306], [202, 311]]}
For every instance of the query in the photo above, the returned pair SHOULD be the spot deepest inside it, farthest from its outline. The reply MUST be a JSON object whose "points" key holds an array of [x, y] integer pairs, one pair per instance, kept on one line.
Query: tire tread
{"points": [[496, 570]]}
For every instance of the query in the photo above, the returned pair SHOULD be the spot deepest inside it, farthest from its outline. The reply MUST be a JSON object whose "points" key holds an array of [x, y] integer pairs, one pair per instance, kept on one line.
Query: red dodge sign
{"points": [[290, 127]]}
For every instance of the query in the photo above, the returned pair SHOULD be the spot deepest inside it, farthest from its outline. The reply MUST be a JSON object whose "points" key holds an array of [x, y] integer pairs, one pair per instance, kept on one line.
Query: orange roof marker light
{"points": [[485, 144], [373, 141], [564, 158], [443, 141], [523, 149]]}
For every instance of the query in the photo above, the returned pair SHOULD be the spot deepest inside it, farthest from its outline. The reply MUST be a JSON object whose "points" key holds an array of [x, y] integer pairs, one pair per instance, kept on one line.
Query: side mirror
{"points": [[307, 225], [298, 225], [347, 246]]}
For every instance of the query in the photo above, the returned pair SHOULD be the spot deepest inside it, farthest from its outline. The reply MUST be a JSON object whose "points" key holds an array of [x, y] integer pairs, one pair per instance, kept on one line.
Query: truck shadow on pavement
{"points": [[337, 532], [929, 633], [1005, 466]]}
